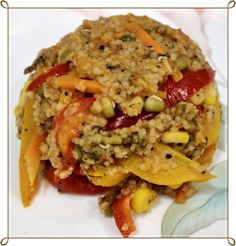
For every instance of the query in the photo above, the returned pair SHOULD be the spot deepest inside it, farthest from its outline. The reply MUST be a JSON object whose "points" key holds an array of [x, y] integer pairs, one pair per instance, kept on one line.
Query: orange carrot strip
{"points": [[145, 38], [84, 85]]}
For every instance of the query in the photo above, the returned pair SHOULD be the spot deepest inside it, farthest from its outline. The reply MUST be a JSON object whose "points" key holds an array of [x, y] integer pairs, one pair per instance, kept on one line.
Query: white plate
{"points": [[54, 214]]}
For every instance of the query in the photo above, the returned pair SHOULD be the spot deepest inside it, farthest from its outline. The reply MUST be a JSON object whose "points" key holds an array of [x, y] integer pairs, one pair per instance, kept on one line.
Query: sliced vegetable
{"points": [[73, 82], [143, 200], [165, 166], [56, 71], [207, 155], [108, 181], [64, 99], [68, 122], [123, 215], [33, 156], [191, 83], [74, 184], [27, 191], [121, 120], [145, 38]]}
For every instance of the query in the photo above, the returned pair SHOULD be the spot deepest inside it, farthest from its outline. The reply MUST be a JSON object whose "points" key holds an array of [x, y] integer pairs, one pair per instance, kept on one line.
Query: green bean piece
{"points": [[154, 104]]}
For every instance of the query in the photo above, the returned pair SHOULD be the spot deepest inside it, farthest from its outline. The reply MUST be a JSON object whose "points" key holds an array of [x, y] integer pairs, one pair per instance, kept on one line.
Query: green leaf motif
{"points": [[205, 207]]}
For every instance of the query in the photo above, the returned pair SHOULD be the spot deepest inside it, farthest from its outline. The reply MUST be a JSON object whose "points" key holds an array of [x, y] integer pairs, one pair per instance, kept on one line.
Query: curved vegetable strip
{"points": [[191, 83], [68, 122], [108, 181], [27, 191], [145, 38], [207, 155], [84, 85], [121, 120], [57, 70], [74, 184], [160, 170], [33, 156], [123, 215]]}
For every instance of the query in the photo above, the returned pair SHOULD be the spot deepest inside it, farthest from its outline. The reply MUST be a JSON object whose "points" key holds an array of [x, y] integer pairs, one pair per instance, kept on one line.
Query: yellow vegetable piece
{"points": [[145, 38], [27, 191], [177, 74], [64, 99], [207, 155], [212, 131], [166, 166], [22, 98], [73, 82], [33, 156], [210, 95], [175, 137], [143, 200], [99, 177]]}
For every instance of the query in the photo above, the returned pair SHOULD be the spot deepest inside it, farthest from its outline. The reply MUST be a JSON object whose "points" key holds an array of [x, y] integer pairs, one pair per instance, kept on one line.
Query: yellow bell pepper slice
{"points": [[27, 191], [33, 156], [166, 166], [99, 177], [108, 181], [212, 131]]}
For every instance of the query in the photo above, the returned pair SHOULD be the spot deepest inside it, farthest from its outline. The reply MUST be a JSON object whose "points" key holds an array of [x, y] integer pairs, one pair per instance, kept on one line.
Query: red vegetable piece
{"points": [[74, 184], [123, 215], [121, 120], [191, 83], [57, 70]]}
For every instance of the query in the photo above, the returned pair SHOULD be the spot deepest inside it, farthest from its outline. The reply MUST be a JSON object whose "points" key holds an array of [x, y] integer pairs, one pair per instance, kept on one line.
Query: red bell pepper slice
{"points": [[191, 83], [123, 215], [67, 124], [121, 120], [57, 70], [74, 184]]}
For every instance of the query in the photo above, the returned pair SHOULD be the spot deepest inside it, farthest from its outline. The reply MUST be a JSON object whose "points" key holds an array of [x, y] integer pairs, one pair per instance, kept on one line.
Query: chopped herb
{"points": [[126, 38]]}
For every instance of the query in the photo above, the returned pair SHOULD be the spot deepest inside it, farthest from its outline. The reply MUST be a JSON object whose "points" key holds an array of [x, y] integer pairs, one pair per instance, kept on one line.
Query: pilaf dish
{"points": [[124, 107]]}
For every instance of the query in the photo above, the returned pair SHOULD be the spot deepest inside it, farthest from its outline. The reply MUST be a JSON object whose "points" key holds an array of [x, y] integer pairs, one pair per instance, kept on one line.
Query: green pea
{"points": [[182, 62], [154, 104]]}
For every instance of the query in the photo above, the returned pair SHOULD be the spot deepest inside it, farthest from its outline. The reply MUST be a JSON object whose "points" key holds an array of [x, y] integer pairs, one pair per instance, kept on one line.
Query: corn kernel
{"points": [[175, 137], [143, 200], [107, 107]]}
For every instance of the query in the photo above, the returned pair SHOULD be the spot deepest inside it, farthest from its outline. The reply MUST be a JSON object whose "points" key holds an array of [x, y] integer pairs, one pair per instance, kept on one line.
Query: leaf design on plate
{"points": [[206, 206]]}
